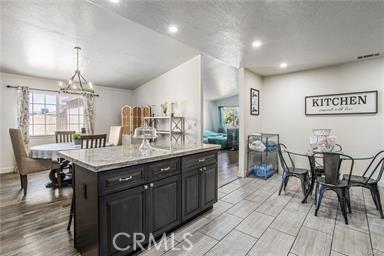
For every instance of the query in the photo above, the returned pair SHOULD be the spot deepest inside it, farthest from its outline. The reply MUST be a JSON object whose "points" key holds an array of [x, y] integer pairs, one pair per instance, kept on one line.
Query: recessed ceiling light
{"points": [[172, 29], [114, 1], [283, 65], [257, 44]]}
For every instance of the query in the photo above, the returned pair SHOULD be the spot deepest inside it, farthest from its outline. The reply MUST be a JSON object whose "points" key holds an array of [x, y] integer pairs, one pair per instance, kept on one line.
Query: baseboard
{"points": [[7, 169]]}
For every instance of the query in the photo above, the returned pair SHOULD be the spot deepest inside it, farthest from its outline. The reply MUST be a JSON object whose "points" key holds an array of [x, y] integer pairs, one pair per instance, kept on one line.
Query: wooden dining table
{"points": [[49, 151]]}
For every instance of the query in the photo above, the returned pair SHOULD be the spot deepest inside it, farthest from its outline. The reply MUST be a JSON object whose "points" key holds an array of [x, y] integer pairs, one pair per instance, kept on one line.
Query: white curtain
{"points": [[89, 109], [23, 112]]}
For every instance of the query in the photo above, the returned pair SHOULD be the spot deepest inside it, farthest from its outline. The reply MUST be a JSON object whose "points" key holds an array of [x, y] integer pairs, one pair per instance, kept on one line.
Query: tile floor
{"points": [[251, 219]]}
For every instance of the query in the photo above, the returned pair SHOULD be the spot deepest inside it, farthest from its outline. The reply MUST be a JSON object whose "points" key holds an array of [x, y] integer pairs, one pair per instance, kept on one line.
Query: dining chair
{"points": [[93, 141], [64, 136], [115, 135], [368, 181], [24, 163], [87, 142], [290, 170], [319, 168], [331, 180]]}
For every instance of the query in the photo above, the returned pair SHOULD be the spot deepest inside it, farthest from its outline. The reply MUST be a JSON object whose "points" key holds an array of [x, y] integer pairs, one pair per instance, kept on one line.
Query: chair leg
{"points": [[341, 196], [21, 181], [372, 190], [283, 177], [286, 182], [303, 181], [376, 192], [320, 192], [58, 175], [348, 199], [70, 216], [25, 183]]}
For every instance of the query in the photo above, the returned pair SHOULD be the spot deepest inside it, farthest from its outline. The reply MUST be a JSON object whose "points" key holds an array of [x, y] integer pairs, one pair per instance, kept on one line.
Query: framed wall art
{"points": [[255, 102]]}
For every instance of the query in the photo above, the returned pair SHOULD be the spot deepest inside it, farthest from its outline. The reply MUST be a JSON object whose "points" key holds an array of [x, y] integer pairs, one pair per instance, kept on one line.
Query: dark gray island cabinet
{"points": [[111, 207]]}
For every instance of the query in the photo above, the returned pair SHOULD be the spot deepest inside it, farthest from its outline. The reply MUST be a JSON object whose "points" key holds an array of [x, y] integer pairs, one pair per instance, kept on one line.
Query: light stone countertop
{"points": [[108, 158]]}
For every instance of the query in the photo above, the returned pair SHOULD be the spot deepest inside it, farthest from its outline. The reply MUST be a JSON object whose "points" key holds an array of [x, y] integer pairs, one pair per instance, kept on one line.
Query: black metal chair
{"points": [[330, 180], [367, 180], [291, 170], [319, 168]]}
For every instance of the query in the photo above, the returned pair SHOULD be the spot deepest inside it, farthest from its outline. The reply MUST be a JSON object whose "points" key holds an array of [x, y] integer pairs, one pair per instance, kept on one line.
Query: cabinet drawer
{"points": [[198, 160], [163, 169], [116, 180]]}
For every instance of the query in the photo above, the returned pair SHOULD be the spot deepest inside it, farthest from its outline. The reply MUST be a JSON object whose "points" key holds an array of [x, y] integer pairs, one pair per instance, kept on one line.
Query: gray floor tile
{"points": [[160, 247], [324, 221], [272, 243], [220, 194], [191, 227], [221, 226], [255, 224], [376, 226], [243, 208], [289, 222], [218, 208], [335, 253], [250, 187], [351, 242], [274, 204], [229, 188], [357, 221], [312, 243], [259, 196], [234, 244], [197, 245], [235, 196]]}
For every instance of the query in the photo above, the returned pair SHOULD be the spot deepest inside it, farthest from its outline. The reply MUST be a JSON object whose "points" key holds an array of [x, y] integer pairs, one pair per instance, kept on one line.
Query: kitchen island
{"points": [[119, 193]]}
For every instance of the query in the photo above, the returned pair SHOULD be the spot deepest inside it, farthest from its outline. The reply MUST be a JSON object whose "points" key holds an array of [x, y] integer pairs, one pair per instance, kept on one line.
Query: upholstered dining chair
{"points": [[290, 170], [64, 136], [367, 180], [87, 142], [24, 163], [331, 180], [115, 135]]}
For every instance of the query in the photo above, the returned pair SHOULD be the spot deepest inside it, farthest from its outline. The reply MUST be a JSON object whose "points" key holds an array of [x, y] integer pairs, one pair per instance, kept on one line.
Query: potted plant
{"points": [[76, 138], [164, 107]]}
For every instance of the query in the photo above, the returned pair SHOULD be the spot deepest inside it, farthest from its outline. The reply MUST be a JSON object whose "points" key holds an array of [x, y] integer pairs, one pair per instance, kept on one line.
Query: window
{"points": [[231, 116], [51, 111]]}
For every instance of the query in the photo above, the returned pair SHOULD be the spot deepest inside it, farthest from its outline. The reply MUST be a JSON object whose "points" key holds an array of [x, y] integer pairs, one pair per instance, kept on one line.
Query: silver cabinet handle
{"points": [[125, 179], [201, 169], [165, 169], [201, 160], [145, 187], [204, 168], [151, 185]]}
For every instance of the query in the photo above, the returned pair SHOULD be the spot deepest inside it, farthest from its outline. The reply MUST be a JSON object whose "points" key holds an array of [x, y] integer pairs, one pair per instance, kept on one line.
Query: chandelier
{"points": [[77, 84]]}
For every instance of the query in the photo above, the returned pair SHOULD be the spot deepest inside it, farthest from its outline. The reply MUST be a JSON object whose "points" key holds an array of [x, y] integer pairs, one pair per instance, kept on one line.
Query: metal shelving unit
{"points": [[268, 157], [175, 128]]}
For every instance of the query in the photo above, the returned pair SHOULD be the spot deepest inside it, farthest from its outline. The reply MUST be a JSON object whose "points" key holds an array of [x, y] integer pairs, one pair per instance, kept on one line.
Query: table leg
{"points": [[309, 191]]}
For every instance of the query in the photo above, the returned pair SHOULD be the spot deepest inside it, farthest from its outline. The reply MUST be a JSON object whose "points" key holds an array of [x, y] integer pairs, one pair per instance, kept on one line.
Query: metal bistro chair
{"points": [[291, 170], [87, 141], [319, 168], [367, 180], [330, 180]]}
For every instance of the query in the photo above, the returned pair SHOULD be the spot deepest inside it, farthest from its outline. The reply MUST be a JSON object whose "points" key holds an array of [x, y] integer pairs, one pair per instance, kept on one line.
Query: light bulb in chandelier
{"points": [[70, 82], [74, 86], [61, 84], [90, 85]]}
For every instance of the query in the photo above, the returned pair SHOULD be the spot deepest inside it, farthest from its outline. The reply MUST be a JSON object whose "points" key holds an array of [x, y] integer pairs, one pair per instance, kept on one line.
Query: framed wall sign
{"points": [[255, 102], [342, 103]]}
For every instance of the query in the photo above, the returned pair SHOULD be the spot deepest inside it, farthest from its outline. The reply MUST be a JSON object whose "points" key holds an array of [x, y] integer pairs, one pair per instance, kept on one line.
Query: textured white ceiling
{"points": [[305, 34], [37, 38], [218, 79]]}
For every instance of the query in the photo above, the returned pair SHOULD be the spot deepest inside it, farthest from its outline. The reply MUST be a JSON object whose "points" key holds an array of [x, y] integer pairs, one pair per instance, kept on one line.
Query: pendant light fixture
{"points": [[77, 84]]}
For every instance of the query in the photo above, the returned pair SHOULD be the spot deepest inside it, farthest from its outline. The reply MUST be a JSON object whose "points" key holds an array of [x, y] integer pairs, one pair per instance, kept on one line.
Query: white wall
{"points": [[248, 124], [211, 111], [282, 106], [183, 86], [107, 111]]}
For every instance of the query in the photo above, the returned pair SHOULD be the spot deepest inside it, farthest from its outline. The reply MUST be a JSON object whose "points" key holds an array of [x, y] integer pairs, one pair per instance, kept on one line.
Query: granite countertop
{"points": [[108, 158]]}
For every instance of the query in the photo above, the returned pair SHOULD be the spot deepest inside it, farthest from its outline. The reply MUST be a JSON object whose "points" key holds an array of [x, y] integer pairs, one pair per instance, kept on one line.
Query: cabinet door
{"points": [[164, 205], [122, 212], [209, 184], [191, 194]]}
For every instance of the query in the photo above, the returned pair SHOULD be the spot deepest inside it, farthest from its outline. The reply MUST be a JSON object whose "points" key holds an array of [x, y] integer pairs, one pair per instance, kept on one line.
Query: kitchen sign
{"points": [[342, 103]]}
